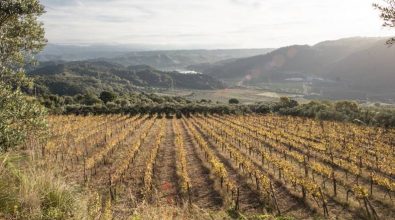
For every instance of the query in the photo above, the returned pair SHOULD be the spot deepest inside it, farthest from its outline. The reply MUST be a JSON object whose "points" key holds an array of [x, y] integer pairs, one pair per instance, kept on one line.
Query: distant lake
{"points": [[188, 72]]}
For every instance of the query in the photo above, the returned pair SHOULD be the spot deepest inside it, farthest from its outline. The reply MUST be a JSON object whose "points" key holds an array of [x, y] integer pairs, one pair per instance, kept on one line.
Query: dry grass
{"points": [[167, 212], [28, 192]]}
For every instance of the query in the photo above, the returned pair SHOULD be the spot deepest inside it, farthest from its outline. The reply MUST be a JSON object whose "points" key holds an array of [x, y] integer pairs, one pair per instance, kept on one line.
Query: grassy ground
{"points": [[245, 96], [28, 192]]}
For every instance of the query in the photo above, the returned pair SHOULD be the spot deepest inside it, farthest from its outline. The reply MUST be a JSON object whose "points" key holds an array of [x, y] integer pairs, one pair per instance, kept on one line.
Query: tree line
{"points": [[108, 102]]}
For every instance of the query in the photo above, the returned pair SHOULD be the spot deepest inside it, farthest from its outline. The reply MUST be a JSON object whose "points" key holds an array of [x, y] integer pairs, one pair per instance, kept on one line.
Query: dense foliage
{"points": [[343, 111], [93, 76], [20, 116], [233, 101], [21, 36], [387, 13], [144, 103]]}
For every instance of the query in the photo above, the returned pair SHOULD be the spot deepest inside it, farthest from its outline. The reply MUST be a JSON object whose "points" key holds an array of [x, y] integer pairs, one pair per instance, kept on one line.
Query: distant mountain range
{"points": [[78, 77], [181, 59], [59, 52], [168, 60], [358, 68]]}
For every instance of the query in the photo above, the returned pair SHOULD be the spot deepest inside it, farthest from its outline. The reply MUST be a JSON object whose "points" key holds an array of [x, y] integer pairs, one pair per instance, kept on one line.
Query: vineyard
{"points": [[253, 164]]}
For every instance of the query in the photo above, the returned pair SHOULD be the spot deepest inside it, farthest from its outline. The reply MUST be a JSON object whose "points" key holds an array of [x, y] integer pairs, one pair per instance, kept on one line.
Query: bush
{"points": [[385, 118], [233, 101], [107, 96], [90, 99], [20, 117], [111, 105], [263, 109]]}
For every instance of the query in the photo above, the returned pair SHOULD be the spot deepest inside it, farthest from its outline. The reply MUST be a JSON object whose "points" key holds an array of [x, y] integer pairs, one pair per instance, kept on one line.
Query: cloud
{"points": [[252, 3], [111, 18], [234, 23], [61, 3]]}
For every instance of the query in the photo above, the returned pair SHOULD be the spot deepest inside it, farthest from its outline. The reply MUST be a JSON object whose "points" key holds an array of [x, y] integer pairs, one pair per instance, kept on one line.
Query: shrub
{"points": [[20, 117], [234, 101], [107, 96]]}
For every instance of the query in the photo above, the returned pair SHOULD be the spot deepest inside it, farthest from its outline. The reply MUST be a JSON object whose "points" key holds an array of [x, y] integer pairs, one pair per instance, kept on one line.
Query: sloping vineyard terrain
{"points": [[253, 164]]}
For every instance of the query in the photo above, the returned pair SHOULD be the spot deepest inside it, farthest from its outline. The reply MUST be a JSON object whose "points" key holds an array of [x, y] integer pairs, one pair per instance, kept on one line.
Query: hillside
{"points": [[72, 78], [139, 55], [284, 61], [372, 69], [353, 68], [287, 61], [181, 59]]}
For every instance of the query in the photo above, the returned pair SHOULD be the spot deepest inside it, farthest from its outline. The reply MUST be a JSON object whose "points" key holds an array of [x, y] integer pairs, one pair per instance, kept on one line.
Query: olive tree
{"points": [[21, 37], [20, 116], [387, 13]]}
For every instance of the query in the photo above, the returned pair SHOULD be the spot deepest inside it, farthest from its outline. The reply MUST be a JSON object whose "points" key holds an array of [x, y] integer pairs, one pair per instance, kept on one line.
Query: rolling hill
{"points": [[181, 59], [371, 69], [359, 68], [72, 78], [167, 60]]}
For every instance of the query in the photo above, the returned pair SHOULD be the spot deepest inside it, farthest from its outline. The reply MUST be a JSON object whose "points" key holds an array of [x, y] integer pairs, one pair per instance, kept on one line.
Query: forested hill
{"points": [[79, 77]]}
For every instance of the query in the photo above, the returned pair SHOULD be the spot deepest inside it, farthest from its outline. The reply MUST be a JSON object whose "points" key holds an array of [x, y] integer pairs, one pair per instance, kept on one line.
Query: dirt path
{"points": [[203, 190], [165, 176]]}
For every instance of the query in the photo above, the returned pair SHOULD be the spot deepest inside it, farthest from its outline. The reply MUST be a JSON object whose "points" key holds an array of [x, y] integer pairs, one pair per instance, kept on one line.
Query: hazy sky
{"points": [[186, 24]]}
